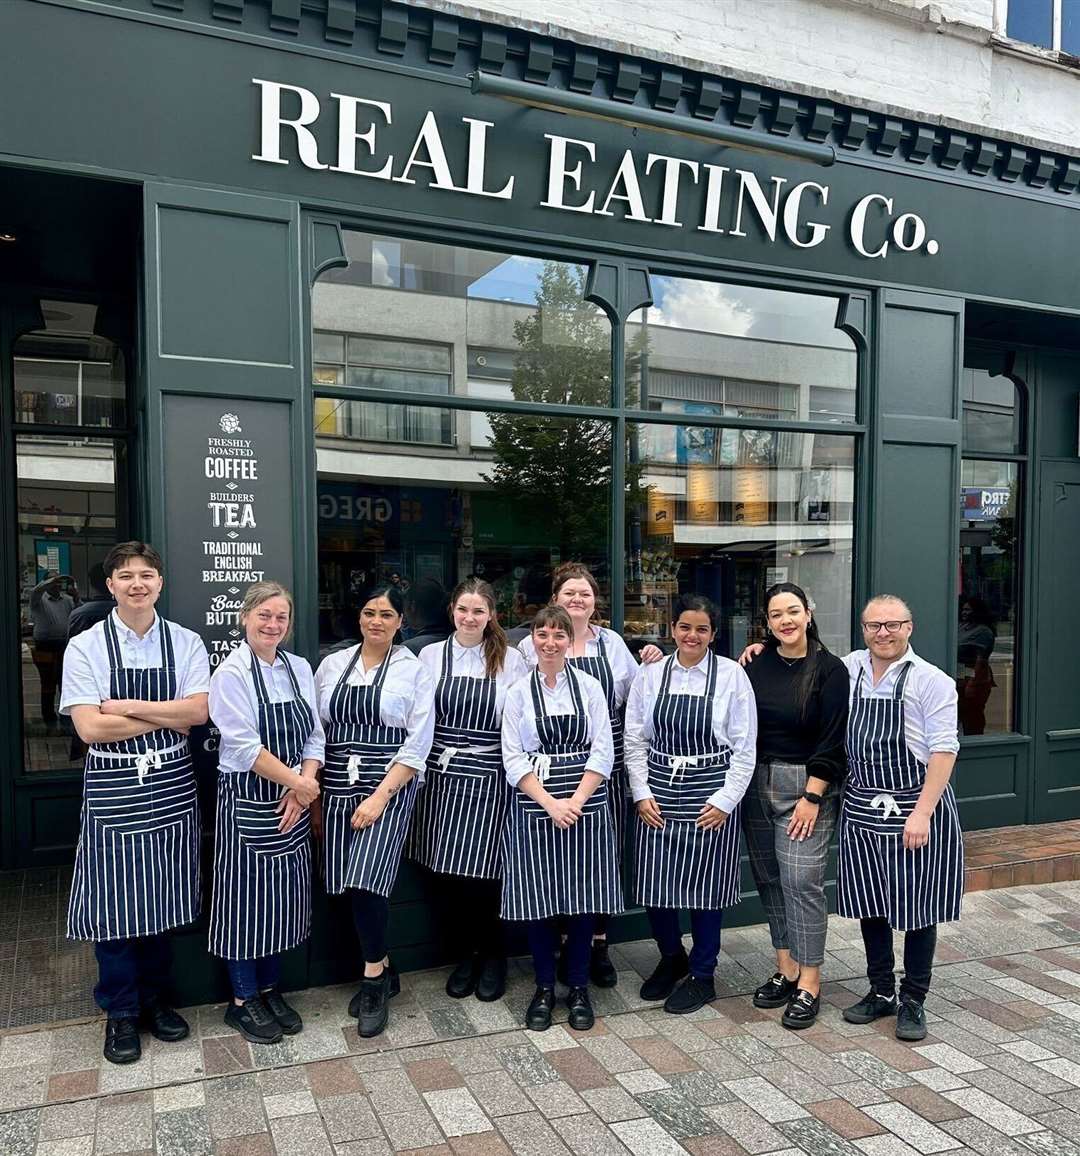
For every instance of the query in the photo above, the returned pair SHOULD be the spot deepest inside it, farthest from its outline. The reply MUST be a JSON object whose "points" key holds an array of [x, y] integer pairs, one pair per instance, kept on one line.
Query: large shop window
{"points": [[990, 499]]}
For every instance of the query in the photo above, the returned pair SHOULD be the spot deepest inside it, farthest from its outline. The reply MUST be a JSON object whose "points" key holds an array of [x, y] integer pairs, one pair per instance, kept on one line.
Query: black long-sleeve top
{"points": [[817, 738]]}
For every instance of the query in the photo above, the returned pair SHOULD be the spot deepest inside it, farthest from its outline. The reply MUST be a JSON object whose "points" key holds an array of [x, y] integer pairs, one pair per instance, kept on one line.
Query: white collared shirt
{"points": [[519, 734], [407, 699], [86, 661], [623, 666], [468, 662], [734, 719], [930, 720], [234, 706]]}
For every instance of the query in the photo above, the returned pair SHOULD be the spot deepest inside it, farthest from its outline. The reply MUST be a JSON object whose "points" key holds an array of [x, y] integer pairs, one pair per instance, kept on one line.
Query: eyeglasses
{"points": [[888, 627]]}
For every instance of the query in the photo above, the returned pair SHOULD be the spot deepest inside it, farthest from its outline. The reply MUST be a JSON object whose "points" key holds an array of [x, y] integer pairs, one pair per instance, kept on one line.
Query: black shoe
{"points": [[601, 970], [288, 1018], [374, 1012], [693, 993], [462, 980], [775, 992], [801, 1010], [665, 976], [581, 1016], [122, 1044], [163, 1023], [395, 989], [871, 1007], [538, 1017], [491, 982], [252, 1019], [910, 1020]]}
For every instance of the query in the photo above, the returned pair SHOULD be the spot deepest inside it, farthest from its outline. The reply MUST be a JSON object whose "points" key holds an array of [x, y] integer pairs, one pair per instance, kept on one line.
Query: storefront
{"points": [[401, 297]]}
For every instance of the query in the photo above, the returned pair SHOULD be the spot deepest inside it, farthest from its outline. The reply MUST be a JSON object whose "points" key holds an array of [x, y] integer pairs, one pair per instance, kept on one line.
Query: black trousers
{"points": [[371, 917], [467, 911], [131, 973], [881, 965]]}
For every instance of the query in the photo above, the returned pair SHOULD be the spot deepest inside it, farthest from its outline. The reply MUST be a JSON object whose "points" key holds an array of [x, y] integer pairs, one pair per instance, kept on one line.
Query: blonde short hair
{"points": [[259, 592]]}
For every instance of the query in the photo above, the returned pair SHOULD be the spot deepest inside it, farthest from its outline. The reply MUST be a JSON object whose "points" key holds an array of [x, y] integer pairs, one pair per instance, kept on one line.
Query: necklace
{"points": [[789, 661]]}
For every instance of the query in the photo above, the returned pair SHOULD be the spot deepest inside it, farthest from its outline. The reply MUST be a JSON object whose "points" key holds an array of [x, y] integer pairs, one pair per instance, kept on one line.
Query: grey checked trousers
{"points": [[790, 875]]}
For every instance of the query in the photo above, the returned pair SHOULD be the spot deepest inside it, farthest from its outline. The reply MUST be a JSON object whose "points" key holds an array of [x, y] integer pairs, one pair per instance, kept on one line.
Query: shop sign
{"points": [[983, 503]]}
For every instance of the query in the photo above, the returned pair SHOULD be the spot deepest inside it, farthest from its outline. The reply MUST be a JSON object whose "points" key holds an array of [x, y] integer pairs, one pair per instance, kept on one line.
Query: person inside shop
{"points": [[134, 686], [691, 735], [975, 640], [901, 851], [560, 861], [51, 605], [790, 808], [262, 700], [603, 654], [425, 614], [460, 813], [376, 700]]}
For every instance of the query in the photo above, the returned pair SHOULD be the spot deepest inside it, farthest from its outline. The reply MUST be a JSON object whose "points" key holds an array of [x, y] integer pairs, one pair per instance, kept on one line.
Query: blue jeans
{"points": [[131, 974], [544, 940], [705, 929], [251, 976]]}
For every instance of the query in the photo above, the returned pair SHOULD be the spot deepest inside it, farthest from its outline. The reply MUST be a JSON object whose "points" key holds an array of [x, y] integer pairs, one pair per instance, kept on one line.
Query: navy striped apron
{"points": [[599, 667], [682, 865], [360, 749], [548, 871], [137, 863], [876, 876], [262, 876], [461, 810]]}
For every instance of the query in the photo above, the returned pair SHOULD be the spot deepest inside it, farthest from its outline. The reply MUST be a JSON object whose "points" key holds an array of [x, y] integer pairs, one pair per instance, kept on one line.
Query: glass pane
{"points": [[499, 325], [740, 351], [727, 513], [991, 412], [1031, 21], [986, 639], [1070, 26], [504, 497], [68, 378], [328, 347], [65, 529]]}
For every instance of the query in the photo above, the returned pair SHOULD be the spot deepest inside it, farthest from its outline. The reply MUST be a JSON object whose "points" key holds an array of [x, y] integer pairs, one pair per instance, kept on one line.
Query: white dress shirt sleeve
{"points": [[635, 739], [419, 722], [232, 714], [938, 700], [515, 760], [79, 686], [740, 728], [602, 753], [196, 667], [527, 651], [623, 667]]}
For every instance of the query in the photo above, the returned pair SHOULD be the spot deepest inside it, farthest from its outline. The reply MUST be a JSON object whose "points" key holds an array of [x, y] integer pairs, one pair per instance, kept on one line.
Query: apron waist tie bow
{"points": [[149, 760], [679, 763], [448, 754], [541, 765], [888, 806], [353, 769]]}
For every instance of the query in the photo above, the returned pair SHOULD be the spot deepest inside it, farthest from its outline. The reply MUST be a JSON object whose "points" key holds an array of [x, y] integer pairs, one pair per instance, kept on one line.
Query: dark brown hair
{"points": [[122, 551], [568, 570], [554, 617], [495, 642]]}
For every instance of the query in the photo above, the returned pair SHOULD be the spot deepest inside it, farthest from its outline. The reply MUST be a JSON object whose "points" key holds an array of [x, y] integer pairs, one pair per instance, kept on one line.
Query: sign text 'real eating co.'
{"points": [[650, 188]]}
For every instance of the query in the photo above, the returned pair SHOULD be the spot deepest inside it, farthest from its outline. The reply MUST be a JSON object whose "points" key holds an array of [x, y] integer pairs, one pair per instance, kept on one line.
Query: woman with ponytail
{"points": [[461, 811]]}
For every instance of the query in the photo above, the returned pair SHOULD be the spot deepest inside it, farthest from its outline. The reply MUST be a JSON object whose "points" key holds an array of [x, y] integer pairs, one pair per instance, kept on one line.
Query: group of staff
{"points": [[506, 773]]}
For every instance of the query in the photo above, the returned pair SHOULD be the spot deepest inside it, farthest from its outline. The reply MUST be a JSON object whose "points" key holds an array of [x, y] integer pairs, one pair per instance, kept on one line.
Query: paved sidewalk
{"points": [[999, 1072]]}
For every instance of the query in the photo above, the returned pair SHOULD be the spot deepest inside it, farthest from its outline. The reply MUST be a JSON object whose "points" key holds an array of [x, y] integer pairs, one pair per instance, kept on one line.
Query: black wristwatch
{"points": [[812, 797]]}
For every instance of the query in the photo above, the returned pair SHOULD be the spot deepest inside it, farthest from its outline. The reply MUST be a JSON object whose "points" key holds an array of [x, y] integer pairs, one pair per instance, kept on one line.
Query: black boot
{"points": [[601, 970], [581, 1016], [538, 1017], [665, 976], [462, 980], [122, 1045], [374, 1004], [491, 982]]}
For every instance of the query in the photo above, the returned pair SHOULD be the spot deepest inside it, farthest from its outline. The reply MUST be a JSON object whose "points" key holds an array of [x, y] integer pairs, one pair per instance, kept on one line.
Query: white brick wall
{"points": [[936, 60]]}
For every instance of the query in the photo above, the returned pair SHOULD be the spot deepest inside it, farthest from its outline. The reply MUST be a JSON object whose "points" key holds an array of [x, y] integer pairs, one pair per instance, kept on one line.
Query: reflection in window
{"points": [[729, 512], [991, 413], [740, 351], [508, 499]]}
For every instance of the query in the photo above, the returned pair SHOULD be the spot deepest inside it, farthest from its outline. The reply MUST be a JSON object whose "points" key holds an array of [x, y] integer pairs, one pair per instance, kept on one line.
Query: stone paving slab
{"points": [[999, 1072]]}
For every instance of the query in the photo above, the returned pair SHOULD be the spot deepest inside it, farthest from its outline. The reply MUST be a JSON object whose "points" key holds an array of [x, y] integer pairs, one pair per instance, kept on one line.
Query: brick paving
{"points": [[999, 1072]]}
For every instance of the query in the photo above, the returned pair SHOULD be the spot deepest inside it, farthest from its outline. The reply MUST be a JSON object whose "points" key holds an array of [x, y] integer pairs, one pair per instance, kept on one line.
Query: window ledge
{"points": [[1012, 738], [1063, 61]]}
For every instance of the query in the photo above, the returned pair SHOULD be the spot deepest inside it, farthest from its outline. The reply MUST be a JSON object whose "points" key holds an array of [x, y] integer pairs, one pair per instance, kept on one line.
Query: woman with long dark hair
{"points": [[790, 809], [460, 814], [375, 700]]}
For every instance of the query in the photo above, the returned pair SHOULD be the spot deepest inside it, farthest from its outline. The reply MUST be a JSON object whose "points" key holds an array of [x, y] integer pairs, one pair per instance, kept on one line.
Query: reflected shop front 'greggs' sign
{"points": [[352, 135]]}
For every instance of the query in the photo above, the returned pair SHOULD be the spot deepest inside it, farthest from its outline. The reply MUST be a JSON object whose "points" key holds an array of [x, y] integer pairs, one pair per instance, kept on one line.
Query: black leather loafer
{"points": [[871, 1007], [491, 982], [691, 995], [801, 1011], [164, 1024], [601, 970], [665, 976], [538, 1017], [122, 1044], [581, 1016], [775, 992], [462, 980], [288, 1018]]}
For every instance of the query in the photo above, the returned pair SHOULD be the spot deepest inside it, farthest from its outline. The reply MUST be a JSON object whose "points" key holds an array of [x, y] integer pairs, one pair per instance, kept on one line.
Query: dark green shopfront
{"points": [[336, 292]]}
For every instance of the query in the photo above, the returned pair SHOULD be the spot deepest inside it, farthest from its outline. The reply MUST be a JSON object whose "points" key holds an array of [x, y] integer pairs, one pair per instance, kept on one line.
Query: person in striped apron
{"points": [[901, 862], [691, 736], [603, 654], [460, 813], [134, 685], [376, 702], [559, 846], [262, 700]]}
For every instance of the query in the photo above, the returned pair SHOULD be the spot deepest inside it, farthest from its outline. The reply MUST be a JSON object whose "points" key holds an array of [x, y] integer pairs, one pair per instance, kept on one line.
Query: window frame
{"points": [[1001, 25]]}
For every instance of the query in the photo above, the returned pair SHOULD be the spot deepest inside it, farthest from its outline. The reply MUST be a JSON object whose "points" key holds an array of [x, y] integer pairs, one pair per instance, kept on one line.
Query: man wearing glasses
{"points": [[901, 863]]}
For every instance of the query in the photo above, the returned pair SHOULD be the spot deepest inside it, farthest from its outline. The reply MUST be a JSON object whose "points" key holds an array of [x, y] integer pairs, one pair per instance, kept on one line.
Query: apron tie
{"points": [[541, 765], [447, 754], [888, 806], [679, 763], [147, 761], [353, 769]]}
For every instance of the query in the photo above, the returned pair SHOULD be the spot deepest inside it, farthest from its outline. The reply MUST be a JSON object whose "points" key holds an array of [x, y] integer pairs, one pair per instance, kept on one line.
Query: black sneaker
{"points": [[374, 1005], [288, 1018], [775, 992], [871, 1007], [665, 976], [693, 993], [252, 1019], [910, 1020], [462, 980], [801, 1011], [538, 1017], [122, 1044], [601, 970], [491, 982], [163, 1023], [581, 1016], [395, 989]]}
